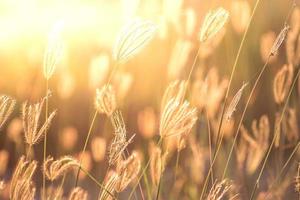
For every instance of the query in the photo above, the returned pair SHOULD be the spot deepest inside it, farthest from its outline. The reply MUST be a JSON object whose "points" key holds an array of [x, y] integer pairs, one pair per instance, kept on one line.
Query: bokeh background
{"points": [[90, 29]]}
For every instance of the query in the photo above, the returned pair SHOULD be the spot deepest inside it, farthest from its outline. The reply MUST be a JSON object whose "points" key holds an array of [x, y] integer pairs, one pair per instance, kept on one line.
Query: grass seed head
{"points": [[213, 22], [7, 105]]}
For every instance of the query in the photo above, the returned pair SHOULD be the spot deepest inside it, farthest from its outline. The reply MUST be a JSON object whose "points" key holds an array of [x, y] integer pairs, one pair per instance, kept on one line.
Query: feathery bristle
{"points": [[219, 190], [134, 36], [177, 118], [105, 101], [7, 105], [53, 51], [213, 22], [279, 40], [22, 187], [235, 100], [55, 169], [31, 118], [119, 142]]}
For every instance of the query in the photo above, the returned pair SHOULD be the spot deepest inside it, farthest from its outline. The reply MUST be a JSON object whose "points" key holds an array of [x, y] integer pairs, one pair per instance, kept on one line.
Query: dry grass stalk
{"points": [[22, 187], [78, 194], [254, 149], [53, 52], [120, 141], [177, 118], [235, 100], [110, 185], [279, 40], [282, 83], [128, 171], [55, 169], [213, 22], [134, 36], [31, 118], [7, 105], [105, 101], [219, 190]]}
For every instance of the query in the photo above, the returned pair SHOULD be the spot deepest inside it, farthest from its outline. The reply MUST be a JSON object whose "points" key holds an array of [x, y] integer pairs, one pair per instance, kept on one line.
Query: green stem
{"points": [[274, 137], [85, 145]]}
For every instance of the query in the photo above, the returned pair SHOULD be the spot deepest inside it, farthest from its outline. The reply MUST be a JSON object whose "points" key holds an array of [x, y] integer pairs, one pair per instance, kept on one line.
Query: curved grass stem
{"points": [[85, 145]]}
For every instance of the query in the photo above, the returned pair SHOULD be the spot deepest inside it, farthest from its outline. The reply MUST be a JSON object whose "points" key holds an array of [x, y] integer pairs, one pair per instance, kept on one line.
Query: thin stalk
{"points": [[193, 66], [106, 173], [95, 181], [160, 179], [219, 137], [85, 145], [114, 69], [236, 135], [28, 152], [176, 166], [210, 146], [45, 139], [62, 182], [243, 114], [147, 187], [141, 191], [233, 71], [158, 188], [209, 172], [275, 135]]}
